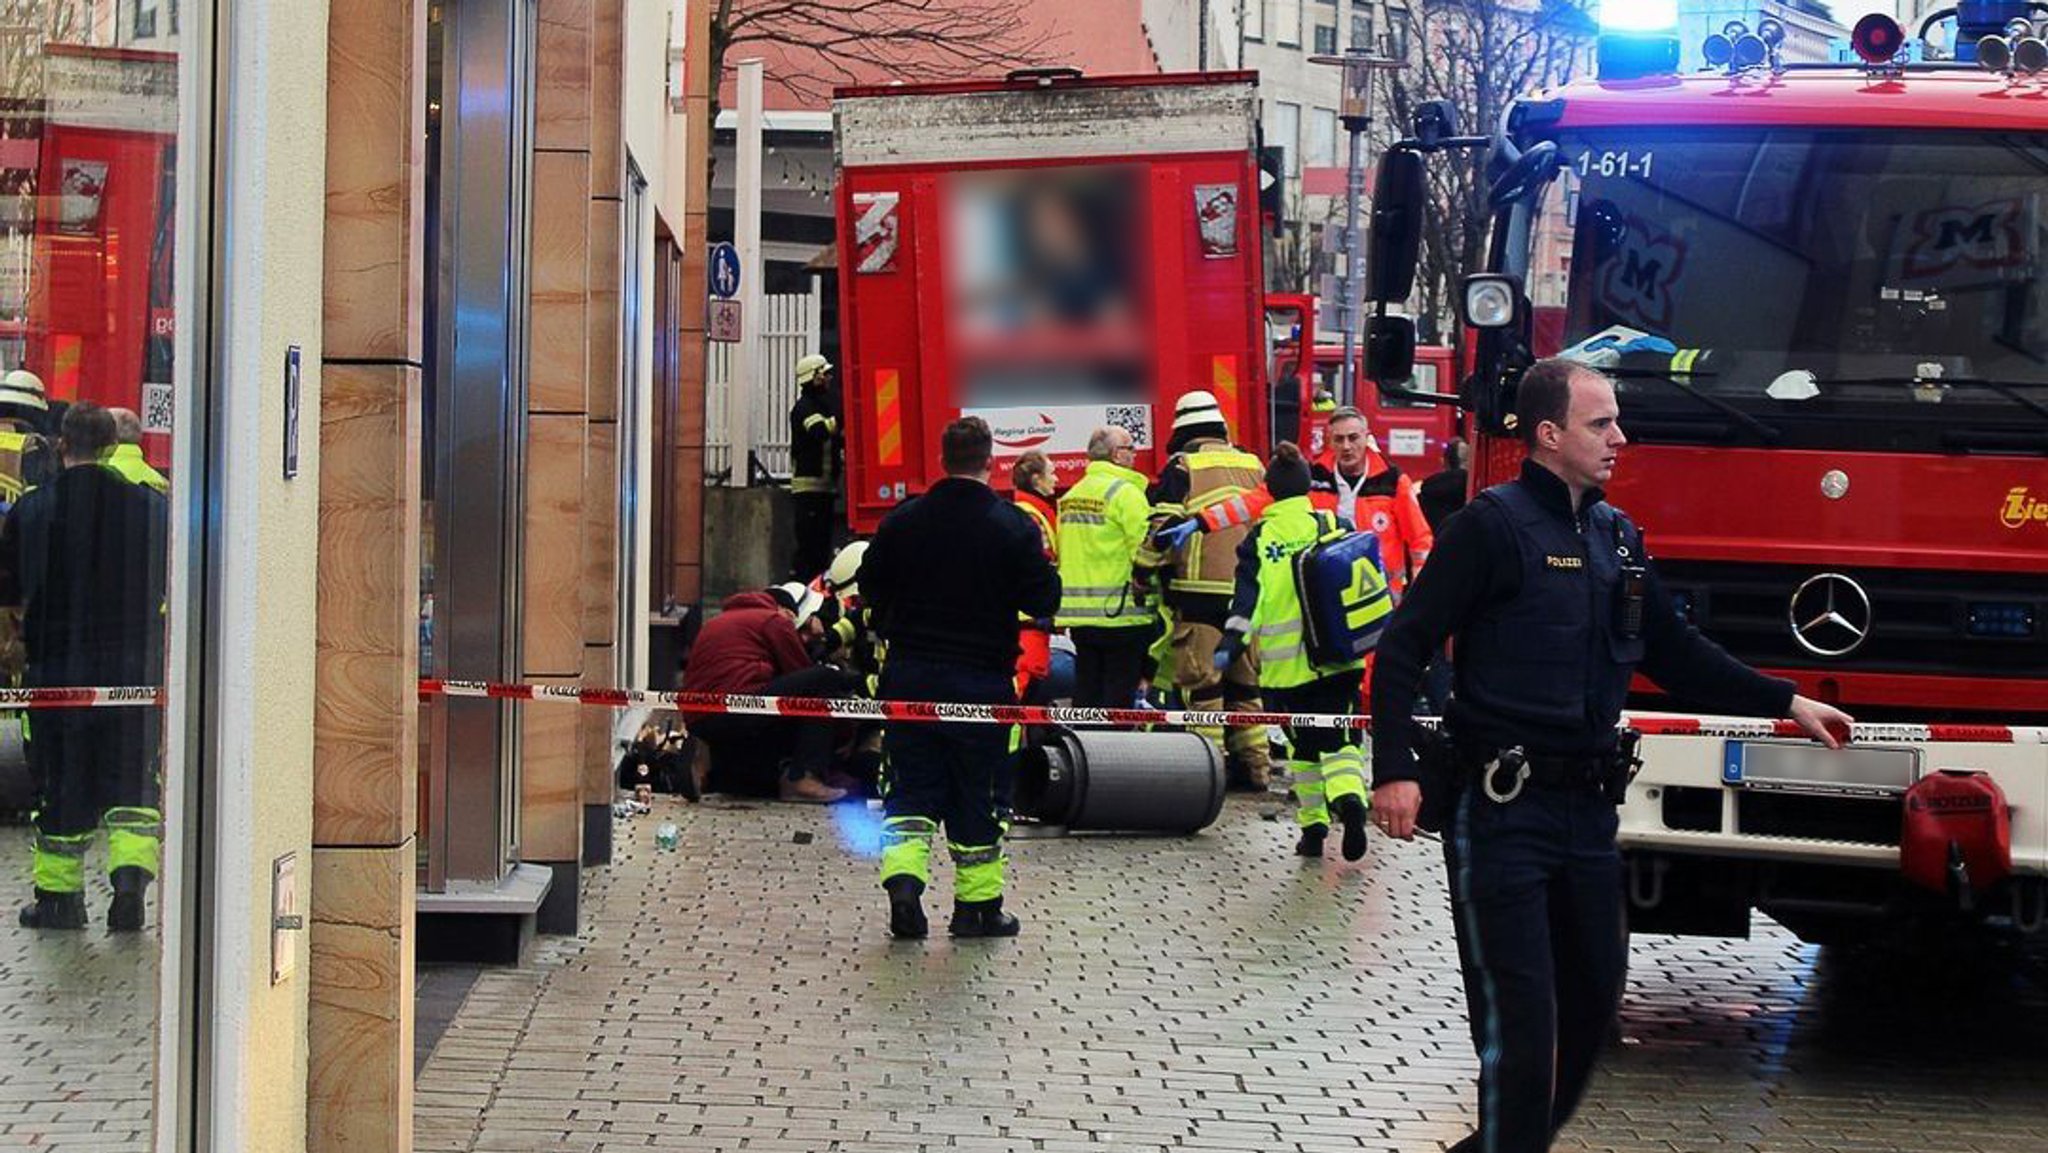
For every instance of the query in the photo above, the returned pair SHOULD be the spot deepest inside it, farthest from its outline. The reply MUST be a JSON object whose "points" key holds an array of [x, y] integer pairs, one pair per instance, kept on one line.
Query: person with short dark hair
{"points": [[945, 578], [1553, 604], [1325, 770], [82, 562], [1444, 492], [755, 646]]}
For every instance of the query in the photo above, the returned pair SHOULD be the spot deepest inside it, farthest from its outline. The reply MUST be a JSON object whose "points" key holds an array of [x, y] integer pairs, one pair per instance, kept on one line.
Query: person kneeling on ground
{"points": [[753, 646]]}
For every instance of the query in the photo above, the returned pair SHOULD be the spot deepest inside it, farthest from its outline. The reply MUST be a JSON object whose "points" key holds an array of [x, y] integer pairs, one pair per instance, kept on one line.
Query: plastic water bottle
{"points": [[667, 837]]}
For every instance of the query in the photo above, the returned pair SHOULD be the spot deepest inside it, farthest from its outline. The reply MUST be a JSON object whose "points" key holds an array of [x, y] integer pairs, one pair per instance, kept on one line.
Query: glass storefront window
{"points": [[89, 156]]}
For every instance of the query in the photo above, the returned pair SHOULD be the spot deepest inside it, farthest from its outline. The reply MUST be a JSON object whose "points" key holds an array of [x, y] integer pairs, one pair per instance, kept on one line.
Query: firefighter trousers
{"points": [[813, 525], [1543, 946], [94, 767], [1204, 689], [940, 774]]}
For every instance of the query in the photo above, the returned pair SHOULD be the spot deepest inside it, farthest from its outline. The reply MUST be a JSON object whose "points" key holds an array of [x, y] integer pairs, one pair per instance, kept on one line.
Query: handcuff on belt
{"points": [[1512, 763]]}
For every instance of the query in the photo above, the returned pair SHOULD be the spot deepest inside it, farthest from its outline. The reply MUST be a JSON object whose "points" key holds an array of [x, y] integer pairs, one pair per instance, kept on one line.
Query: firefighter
{"points": [[26, 458], [947, 575], [813, 464], [126, 457], [1327, 772], [1355, 481], [1204, 470], [1104, 600], [1553, 604], [82, 561]]}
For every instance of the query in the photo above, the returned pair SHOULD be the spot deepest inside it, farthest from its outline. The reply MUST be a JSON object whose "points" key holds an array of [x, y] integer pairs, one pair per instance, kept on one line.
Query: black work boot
{"points": [[906, 909], [1351, 811], [54, 911], [126, 913], [1311, 842], [982, 919]]}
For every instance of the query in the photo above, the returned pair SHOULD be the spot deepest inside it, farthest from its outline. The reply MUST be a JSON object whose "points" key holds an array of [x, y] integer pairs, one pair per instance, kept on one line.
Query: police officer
{"points": [[1553, 605], [1103, 522], [946, 576], [813, 465]]}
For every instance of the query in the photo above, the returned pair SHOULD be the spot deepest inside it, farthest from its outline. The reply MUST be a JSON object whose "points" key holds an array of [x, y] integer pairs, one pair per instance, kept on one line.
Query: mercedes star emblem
{"points": [[1834, 485], [1830, 615]]}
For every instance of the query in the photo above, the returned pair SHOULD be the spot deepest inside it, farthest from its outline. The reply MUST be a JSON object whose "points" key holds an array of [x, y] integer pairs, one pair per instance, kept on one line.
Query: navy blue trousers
{"points": [[946, 772], [1543, 945]]}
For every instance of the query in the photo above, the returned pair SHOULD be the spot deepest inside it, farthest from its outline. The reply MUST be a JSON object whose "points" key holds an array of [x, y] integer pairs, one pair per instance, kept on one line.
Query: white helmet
{"points": [[21, 388], [25, 380], [811, 367], [1197, 407], [805, 599], [843, 575]]}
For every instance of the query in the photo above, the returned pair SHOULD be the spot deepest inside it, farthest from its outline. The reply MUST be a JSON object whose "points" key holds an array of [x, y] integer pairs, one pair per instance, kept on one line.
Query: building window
{"points": [[1326, 39], [1321, 146], [1255, 19], [1397, 33], [145, 19], [1287, 23], [1361, 30], [1287, 134]]}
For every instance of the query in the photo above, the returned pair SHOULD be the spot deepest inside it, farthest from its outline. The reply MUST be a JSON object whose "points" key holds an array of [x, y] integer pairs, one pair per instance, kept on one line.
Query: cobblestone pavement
{"points": [[1201, 993], [77, 1023]]}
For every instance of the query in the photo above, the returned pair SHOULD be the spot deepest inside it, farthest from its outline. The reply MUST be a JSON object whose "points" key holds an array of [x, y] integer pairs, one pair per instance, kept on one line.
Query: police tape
{"points": [[130, 696], [862, 709]]}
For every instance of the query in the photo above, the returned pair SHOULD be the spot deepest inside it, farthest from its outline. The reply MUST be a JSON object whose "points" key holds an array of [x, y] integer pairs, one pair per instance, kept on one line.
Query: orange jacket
{"points": [[1386, 504]]}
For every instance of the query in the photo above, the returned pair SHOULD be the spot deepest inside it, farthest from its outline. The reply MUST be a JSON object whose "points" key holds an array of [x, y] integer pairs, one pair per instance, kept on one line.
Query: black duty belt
{"points": [[1503, 774]]}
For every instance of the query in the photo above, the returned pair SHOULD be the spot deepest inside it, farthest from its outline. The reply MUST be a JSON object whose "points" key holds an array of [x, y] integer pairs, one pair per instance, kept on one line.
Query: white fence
{"points": [[789, 329]]}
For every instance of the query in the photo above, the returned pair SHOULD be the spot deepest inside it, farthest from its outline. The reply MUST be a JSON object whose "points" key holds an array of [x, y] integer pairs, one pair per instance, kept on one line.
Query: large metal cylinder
{"points": [[1094, 780]]}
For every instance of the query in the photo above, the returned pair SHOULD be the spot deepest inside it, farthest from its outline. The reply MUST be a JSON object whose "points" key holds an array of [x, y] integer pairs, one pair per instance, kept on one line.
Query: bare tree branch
{"points": [[850, 40], [1480, 55]]}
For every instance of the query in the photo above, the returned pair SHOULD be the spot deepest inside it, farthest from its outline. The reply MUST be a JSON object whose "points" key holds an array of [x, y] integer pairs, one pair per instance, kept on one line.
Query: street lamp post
{"points": [[1355, 113]]}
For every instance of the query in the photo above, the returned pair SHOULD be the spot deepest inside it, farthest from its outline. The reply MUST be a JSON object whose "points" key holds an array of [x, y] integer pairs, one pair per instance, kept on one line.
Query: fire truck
{"points": [[1053, 253], [1819, 290]]}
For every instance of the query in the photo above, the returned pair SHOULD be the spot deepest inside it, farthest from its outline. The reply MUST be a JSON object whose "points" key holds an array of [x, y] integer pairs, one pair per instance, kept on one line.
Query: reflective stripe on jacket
{"points": [[1102, 525]]}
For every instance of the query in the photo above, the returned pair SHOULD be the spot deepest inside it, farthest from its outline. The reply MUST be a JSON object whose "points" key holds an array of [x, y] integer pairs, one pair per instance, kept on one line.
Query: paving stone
{"points": [[1211, 992]]}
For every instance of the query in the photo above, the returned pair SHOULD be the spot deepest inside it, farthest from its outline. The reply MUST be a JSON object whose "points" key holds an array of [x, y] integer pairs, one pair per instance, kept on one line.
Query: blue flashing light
{"points": [[1638, 16], [2001, 619]]}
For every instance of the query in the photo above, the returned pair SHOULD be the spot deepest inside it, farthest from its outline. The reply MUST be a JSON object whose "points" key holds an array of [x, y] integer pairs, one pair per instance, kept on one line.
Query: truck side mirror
{"points": [[1390, 350], [1397, 200]]}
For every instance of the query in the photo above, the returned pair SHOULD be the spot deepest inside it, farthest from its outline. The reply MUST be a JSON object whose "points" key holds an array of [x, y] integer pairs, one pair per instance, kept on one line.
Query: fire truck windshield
{"points": [[1803, 287]]}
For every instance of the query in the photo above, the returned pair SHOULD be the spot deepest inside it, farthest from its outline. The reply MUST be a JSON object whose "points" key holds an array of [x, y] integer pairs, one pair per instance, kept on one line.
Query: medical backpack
{"points": [[1345, 600]]}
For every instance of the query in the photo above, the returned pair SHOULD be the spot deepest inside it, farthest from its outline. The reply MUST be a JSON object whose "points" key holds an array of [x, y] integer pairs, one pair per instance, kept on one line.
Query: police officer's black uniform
{"points": [[1552, 610]]}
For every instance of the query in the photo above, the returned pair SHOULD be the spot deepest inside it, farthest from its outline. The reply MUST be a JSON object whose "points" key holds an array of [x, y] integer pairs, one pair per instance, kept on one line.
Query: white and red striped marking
{"points": [[1653, 724], [861, 709]]}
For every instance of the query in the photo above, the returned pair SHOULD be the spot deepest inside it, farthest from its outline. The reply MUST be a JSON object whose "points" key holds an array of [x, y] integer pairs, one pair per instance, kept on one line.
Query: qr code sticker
{"points": [[1135, 419], [156, 408]]}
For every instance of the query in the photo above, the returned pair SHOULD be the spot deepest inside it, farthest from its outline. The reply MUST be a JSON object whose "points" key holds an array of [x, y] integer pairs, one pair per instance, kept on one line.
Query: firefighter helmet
{"points": [[16, 394], [811, 367], [843, 575], [799, 598], [1195, 408]]}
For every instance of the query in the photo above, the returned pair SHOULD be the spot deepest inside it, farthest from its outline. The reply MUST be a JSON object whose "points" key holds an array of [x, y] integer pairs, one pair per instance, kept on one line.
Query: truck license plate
{"points": [[1804, 767]]}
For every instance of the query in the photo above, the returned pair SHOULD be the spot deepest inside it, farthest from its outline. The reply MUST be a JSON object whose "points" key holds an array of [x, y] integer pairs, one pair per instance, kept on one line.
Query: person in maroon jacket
{"points": [[752, 646]]}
